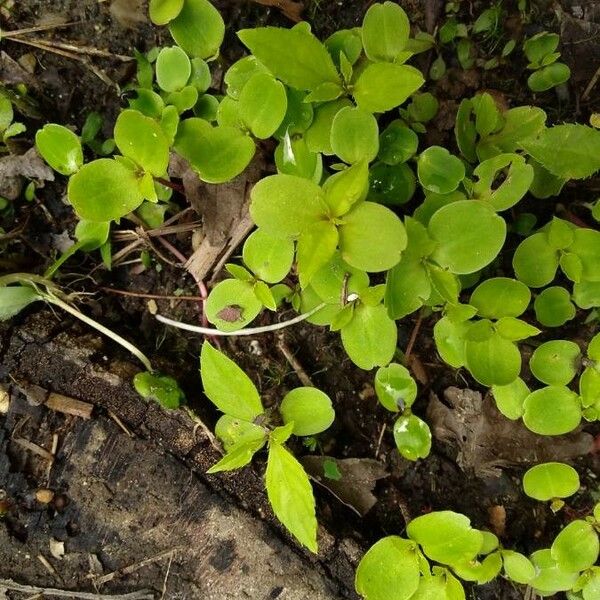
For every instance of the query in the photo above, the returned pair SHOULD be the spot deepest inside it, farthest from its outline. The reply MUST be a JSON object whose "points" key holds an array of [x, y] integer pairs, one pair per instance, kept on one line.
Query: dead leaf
{"points": [[57, 548], [292, 10], [497, 518], [357, 481], [4, 400], [486, 440], [14, 167]]}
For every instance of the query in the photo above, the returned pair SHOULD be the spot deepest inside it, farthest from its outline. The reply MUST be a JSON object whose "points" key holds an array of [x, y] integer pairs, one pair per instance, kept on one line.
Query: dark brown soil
{"points": [[35, 344]]}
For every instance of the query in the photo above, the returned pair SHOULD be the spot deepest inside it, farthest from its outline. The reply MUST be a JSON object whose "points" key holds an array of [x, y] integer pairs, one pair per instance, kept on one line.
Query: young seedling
{"points": [[551, 482]]}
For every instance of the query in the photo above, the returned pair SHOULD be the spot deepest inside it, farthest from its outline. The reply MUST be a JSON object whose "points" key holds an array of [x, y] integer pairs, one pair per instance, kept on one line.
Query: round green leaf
{"points": [[163, 11], [576, 547], [160, 388], [517, 567], [354, 135], [550, 480], [550, 578], [370, 338], [586, 246], [173, 69], [395, 387], [589, 387], [104, 190], [389, 570], [269, 258], [555, 362], [286, 205], [553, 410], [553, 307], [217, 154], [450, 342], [510, 398], [439, 171], [263, 104], [397, 143], [391, 184], [413, 437], [198, 28], [142, 140], [535, 261], [329, 281], [495, 361], [232, 304], [318, 135], [385, 31], [593, 349], [60, 148], [446, 537], [548, 77], [383, 86], [372, 238], [500, 297], [469, 236], [231, 431], [309, 409], [480, 571]]}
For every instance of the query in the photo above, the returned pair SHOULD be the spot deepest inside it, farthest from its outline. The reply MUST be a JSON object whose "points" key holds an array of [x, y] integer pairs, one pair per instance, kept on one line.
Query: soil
{"points": [[129, 485]]}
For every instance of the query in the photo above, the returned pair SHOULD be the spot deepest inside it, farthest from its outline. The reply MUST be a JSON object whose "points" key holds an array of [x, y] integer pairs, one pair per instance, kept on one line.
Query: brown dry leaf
{"points": [[225, 214], [486, 440], [358, 479], [14, 167], [292, 10]]}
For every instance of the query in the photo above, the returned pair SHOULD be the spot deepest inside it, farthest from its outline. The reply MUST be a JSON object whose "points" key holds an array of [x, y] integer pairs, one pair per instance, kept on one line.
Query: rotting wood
{"points": [[69, 406]]}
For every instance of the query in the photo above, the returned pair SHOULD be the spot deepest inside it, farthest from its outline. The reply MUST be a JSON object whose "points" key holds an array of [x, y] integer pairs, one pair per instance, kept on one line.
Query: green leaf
{"points": [[389, 570], [60, 148], [354, 135], [487, 115], [413, 437], [263, 294], [286, 205], [198, 29], [550, 578], [553, 307], [553, 410], [6, 113], [517, 178], [295, 57], [383, 86], [480, 571], [292, 157], [347, 42], [291, 495], [515, 329], [540, 45], [535, 261], [269, 258], [372, 237], [370, 338], [318, 135], [423, 107], [237, 456], [395, 387], [142, 140], [240, 72], [346, 188], [336, 277], [510, 398], [397, 143], [450, 341], [576, 547], [495, 361], [316, 245], [589, 387], [517, 567], [555, 362], [104, 190], [14, 299], [281, 434], [465, 131], [217, 154], [587, 294], [227, 386], [460, 228], [163, 11], [173, 69], [407, 287], [299, 114], [232, 304], [439, 171], [548, 77], [586, 246], [550, 480], [385, 31], [500, 297], [159, 388], [232, 431], [569, 151], [263, 104], [391, 184], [446, 537], [309, 409]]}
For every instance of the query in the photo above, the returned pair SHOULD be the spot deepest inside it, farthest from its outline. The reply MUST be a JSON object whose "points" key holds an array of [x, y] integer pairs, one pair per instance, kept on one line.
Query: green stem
{"points": [[247, 331]]}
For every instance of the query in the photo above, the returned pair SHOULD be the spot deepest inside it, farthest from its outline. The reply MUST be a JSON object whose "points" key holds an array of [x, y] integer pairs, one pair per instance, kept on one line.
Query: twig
{"points": [[380, 440], [18, 32], [150, 296], [164, 587], [200, 424], [135, 567], [13, 586], [591, 85], [413, 336], [293, 361], [240, 332], [120, 423], [69, 406]]}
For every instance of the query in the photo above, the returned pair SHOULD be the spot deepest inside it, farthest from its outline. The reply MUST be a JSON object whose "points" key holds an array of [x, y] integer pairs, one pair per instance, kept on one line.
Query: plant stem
{"points": [[52, 299], [239, 332]]}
